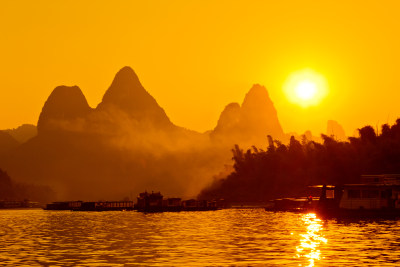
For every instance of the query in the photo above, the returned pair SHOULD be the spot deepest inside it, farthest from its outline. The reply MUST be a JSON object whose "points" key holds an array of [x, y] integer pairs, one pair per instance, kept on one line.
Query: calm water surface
{"points": [[248, 237]]}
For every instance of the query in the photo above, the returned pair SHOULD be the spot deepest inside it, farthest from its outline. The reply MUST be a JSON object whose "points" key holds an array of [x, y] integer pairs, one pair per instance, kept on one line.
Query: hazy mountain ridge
{"points": [[123, 146], [23, 133], [128, 144], [11, 138]]}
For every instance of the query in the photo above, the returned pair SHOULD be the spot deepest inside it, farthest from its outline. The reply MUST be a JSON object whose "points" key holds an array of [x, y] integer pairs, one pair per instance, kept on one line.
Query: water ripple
{"points": [[250, 237]]}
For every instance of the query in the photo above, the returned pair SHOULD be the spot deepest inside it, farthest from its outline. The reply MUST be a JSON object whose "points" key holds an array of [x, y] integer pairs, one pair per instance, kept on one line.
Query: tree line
{"points": [[286, 170]]}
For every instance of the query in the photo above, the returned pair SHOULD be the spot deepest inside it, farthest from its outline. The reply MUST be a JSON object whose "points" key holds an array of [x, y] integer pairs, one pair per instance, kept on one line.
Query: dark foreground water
{"points": [[250, 237]]}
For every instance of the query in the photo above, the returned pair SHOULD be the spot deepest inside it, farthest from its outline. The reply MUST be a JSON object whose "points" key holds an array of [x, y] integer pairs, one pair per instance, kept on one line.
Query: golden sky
{"points": [[195, 57]]}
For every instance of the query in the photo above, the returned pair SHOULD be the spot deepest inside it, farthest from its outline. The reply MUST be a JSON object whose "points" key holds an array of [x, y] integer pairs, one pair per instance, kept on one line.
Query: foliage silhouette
{"points": [[288, 170]]}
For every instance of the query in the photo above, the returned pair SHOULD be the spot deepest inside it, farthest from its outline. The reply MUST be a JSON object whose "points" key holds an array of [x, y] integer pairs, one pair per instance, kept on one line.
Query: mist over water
{"points": [[244, 237]]}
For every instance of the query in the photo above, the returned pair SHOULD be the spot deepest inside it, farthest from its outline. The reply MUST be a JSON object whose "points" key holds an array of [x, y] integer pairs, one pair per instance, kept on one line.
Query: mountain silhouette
{"points": [[229, 119], [127, 94], [259, 115], [334, 129], [64, 104], [251, 122], [128, 144]]}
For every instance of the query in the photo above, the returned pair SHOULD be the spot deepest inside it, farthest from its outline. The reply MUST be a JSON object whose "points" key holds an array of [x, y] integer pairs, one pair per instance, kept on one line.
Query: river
{"points": [[231, 237]]}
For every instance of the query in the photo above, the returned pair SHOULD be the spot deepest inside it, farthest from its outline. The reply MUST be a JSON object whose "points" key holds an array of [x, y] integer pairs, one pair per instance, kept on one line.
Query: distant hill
{"points": [[335, 130], [11, 138], [251, 122], [23, 133]]}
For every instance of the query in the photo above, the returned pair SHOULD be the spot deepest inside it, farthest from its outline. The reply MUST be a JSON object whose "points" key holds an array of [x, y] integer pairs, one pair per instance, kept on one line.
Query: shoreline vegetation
{"points": [[287, 170]]}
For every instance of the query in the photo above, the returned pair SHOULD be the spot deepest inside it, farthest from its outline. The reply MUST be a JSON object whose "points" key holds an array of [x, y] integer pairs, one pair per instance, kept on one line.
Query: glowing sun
{"points": [[305, 88]]}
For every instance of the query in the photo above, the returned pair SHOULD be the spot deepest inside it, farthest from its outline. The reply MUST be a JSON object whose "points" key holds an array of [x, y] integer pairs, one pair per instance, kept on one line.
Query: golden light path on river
{"points": [[310, 241]]}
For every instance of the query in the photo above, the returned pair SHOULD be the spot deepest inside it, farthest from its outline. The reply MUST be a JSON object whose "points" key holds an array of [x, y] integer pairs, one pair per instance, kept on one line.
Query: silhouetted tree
{"points": [[367, 134]]}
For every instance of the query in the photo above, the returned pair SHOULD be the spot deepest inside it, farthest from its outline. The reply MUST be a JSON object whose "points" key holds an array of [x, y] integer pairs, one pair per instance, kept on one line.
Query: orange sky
{"points": [[195, 57]]}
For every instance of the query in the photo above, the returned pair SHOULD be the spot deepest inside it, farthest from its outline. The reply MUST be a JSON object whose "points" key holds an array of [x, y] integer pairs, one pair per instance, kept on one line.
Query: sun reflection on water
{"points": [[311, 241]]}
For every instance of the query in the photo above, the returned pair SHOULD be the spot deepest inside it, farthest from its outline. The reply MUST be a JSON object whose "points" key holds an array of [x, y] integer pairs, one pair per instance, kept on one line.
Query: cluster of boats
{"points": [[146, 202], [90, 206], [377, 196]]}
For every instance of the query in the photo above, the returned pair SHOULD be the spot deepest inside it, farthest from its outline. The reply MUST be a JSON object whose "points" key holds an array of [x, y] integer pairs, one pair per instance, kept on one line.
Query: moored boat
{"points": [[302, 204], [105, 206], [378, 196], [63, 205]]}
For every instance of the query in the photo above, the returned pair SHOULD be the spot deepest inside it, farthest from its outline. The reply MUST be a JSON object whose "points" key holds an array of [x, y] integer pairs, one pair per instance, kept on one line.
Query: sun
{"points": [[305, 88]]}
